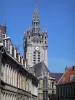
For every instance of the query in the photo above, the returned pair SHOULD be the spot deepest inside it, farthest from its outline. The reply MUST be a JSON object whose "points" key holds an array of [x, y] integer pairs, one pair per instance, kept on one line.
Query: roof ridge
{"points": [[56, 72]]}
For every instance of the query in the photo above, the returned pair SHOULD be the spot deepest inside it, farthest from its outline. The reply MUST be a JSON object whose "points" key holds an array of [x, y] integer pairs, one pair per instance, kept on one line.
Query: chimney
{"points": [[3, 29], [73, 67]]}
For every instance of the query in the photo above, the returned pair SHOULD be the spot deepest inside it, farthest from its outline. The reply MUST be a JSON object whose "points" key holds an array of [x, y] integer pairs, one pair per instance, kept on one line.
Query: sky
{"points": [[56, 16]]}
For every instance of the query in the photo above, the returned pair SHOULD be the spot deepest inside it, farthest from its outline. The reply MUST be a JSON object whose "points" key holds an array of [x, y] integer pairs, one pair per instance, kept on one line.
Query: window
{"points": [[45, 95], [38, 52], [45, 37], [33, 30], [29, 37], [45, 41], [36, 23], [45, 83], [52, 92], [34, 55], [52, 84], [34, 62], [38, 60], [63, 79], [71, 77], [34, 52], [38, 57]]}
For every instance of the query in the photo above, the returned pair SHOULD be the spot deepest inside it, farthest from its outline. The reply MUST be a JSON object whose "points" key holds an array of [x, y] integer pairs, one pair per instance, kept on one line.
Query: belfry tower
{"points": [[35, 43]]}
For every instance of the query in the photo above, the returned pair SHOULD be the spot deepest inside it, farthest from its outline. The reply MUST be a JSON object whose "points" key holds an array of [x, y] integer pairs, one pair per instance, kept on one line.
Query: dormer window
{"points": [[71, 77], [63, 79]]}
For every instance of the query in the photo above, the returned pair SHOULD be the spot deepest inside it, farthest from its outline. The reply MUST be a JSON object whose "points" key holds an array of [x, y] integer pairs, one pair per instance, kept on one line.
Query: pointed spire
{"points": [[36, 21], [36, 15], [36, 10]]}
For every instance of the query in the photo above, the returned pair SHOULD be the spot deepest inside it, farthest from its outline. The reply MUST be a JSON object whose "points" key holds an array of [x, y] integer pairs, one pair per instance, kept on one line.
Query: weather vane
{"points": [[5, 23]]}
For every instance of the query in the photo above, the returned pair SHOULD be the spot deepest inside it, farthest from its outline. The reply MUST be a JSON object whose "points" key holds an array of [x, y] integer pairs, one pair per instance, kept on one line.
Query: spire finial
{"points": [[36, 4]]}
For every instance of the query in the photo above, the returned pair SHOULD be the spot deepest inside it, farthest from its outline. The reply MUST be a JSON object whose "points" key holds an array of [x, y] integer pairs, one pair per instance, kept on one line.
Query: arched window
{"points": [[52, 84], [45, 87], [45, 42], [34, 52], [45, 82], [29, 37], [45, 37]]}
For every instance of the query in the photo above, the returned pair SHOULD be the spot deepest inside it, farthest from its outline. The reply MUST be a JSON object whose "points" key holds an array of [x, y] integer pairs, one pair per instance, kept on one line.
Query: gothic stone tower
{"points": [[35, 43]]}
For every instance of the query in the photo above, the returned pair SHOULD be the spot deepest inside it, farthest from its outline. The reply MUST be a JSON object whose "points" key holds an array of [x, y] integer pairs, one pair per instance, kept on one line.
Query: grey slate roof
{"points": [[41, 68], [57, 76]]}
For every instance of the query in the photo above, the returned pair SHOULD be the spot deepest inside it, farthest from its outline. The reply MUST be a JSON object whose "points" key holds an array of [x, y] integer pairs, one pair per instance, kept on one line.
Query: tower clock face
{"points": [[37, 48]]}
